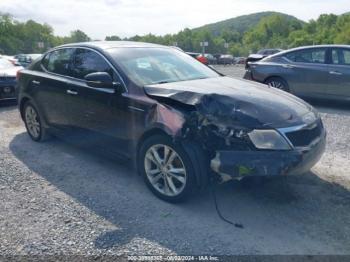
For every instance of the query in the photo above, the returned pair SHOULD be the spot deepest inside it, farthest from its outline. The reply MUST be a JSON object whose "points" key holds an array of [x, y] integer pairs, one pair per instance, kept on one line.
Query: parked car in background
{"points": [[314, 71], [199, 57], [193, 54], [12, 59], [26, 59], [267, 52], [217, 56], [8, 72], [211, 59], [240, 60], [261, 54], [181, 121], [226, 60]]}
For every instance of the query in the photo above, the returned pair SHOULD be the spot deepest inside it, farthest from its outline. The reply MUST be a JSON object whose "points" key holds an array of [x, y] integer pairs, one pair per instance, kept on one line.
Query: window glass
{"points": [[60, 61], [341, 56], [159, 65], [45, 61], [87, 62], [316, 56]]}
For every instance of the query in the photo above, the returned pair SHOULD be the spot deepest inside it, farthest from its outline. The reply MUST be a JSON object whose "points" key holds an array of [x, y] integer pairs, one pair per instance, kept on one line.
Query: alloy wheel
{"points": [[165, 170], [277, 84], [32, 121]]}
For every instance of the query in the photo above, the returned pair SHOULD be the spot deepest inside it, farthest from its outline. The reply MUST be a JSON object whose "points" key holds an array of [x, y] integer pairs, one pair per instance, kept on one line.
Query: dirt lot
{"points": [[59, 199]]}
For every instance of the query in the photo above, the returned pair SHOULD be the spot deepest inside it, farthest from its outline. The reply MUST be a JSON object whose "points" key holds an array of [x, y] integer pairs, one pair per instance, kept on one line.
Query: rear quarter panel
{"points": [[262, 71]]}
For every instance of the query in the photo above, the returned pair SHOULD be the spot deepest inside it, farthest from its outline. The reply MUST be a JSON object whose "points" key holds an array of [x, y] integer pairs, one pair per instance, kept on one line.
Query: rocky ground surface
{"points": [[59, 199]]}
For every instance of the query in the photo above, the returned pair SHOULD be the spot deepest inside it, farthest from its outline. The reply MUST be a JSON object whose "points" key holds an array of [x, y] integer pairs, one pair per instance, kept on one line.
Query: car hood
{"points": [[236, 102], [10, 71]]}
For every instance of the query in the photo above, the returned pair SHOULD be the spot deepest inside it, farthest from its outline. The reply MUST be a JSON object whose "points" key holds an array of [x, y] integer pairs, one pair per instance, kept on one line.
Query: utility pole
{"points": [[226, 45], [203, 45]]}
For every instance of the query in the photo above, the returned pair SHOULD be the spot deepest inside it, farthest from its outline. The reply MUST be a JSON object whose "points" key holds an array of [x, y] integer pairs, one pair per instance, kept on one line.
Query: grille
{"points": [[306, 136], [7, 78]]}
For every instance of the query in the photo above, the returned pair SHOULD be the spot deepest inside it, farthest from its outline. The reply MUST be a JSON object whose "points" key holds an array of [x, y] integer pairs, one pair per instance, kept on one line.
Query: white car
{"points": [[8, 72]]}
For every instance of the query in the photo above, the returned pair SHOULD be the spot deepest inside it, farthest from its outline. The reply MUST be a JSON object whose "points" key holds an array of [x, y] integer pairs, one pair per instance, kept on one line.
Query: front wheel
{"points": [[166, 168]]}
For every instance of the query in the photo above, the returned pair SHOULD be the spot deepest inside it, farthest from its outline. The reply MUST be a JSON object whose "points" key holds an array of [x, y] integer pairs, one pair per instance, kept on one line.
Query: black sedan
{"points": [[184, 124]]}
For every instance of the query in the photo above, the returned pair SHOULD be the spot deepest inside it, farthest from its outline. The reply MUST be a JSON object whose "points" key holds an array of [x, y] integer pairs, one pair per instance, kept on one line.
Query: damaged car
{"points": [[183, 123]]}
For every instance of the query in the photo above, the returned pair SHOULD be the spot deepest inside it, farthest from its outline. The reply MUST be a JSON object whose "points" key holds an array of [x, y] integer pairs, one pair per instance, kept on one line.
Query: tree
{"points": [[273, 31], [77, 36], [112, 38]]}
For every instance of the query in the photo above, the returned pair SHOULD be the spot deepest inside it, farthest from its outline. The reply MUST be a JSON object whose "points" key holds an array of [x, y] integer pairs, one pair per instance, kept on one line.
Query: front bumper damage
{"points": [[239, 164], [221, 123]]}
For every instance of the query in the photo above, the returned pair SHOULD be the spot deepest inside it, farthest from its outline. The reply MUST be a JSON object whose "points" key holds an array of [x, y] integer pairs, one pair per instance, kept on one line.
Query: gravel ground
{"points": [[59, 199]]}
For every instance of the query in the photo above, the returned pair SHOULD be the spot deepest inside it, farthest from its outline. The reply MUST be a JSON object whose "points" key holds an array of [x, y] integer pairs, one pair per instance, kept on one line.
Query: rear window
{"points": [[341, 56], [59, 61]]}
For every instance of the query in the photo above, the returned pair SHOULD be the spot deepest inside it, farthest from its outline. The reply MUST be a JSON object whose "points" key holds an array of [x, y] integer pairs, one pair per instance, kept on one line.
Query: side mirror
{"points": [[99, 80]]}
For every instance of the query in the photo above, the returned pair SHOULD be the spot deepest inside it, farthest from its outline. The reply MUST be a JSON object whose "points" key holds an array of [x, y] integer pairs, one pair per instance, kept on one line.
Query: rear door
{"points": [[52, 86], [307, 70], [339, 73]]}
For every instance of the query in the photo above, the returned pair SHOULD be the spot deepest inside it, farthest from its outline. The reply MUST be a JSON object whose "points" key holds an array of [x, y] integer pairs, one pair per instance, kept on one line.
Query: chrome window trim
{"points": [[74, 78]]}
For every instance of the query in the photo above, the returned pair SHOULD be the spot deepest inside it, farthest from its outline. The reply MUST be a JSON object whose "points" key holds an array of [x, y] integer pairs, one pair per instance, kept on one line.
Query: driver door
{"points": [[98, 115]]}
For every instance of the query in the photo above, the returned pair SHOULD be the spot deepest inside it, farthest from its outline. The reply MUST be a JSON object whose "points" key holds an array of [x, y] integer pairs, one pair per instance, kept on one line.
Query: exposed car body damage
{"points": [[160, 115], [236, 102], [240, 164], [221, 119]]}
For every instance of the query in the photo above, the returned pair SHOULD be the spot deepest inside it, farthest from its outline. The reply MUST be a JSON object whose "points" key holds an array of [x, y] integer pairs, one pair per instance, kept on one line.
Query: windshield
{"points": [[147, 66], [4, 64]]}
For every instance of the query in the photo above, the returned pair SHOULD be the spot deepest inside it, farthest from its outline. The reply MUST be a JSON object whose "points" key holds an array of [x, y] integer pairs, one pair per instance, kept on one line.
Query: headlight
{"points": [[268, 139]]}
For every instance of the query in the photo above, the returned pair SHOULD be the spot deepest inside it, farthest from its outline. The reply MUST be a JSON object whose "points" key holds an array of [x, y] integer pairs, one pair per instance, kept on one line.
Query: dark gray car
{"points": [[313, 71]]}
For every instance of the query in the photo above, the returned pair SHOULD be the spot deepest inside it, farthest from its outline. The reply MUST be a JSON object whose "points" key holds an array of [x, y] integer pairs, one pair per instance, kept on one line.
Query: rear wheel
{"points": [[166, 168], [33, 123], [278, 83]]}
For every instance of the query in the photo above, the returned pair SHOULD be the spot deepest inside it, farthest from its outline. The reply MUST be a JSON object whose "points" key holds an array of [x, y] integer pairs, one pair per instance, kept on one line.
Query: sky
{"points": [[125, 18]]}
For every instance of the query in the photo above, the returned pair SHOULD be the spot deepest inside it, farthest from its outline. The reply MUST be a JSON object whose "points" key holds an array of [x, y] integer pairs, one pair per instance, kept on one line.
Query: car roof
{"points": [[112, 44], [309, 47]]}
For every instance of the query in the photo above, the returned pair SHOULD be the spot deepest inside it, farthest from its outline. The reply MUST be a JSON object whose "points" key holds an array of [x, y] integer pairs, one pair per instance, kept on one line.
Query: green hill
{"points": [[241, 24]]}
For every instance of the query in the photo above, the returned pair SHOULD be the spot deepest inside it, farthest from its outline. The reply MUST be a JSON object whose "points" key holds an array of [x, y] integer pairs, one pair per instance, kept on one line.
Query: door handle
{"points": [[35, 82], [72, 92], [335, 73]]}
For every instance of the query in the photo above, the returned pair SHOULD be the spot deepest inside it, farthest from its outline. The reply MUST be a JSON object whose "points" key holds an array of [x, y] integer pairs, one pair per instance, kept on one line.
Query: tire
{"points": [[33, 123], [166, 185], [278, 82]]}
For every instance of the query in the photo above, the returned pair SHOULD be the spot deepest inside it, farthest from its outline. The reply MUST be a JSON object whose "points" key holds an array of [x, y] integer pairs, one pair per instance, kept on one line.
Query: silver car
{"points": [[314, 71]]}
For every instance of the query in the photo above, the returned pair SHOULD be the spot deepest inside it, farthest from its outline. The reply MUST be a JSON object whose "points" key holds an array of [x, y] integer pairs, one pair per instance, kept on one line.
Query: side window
{"points": [[45, 61], [59, 61], [341, 56], [313, 56], [87, 62]]}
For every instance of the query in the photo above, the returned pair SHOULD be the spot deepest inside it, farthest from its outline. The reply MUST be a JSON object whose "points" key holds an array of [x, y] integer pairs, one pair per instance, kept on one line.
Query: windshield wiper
{"points": [[160, 82]]}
